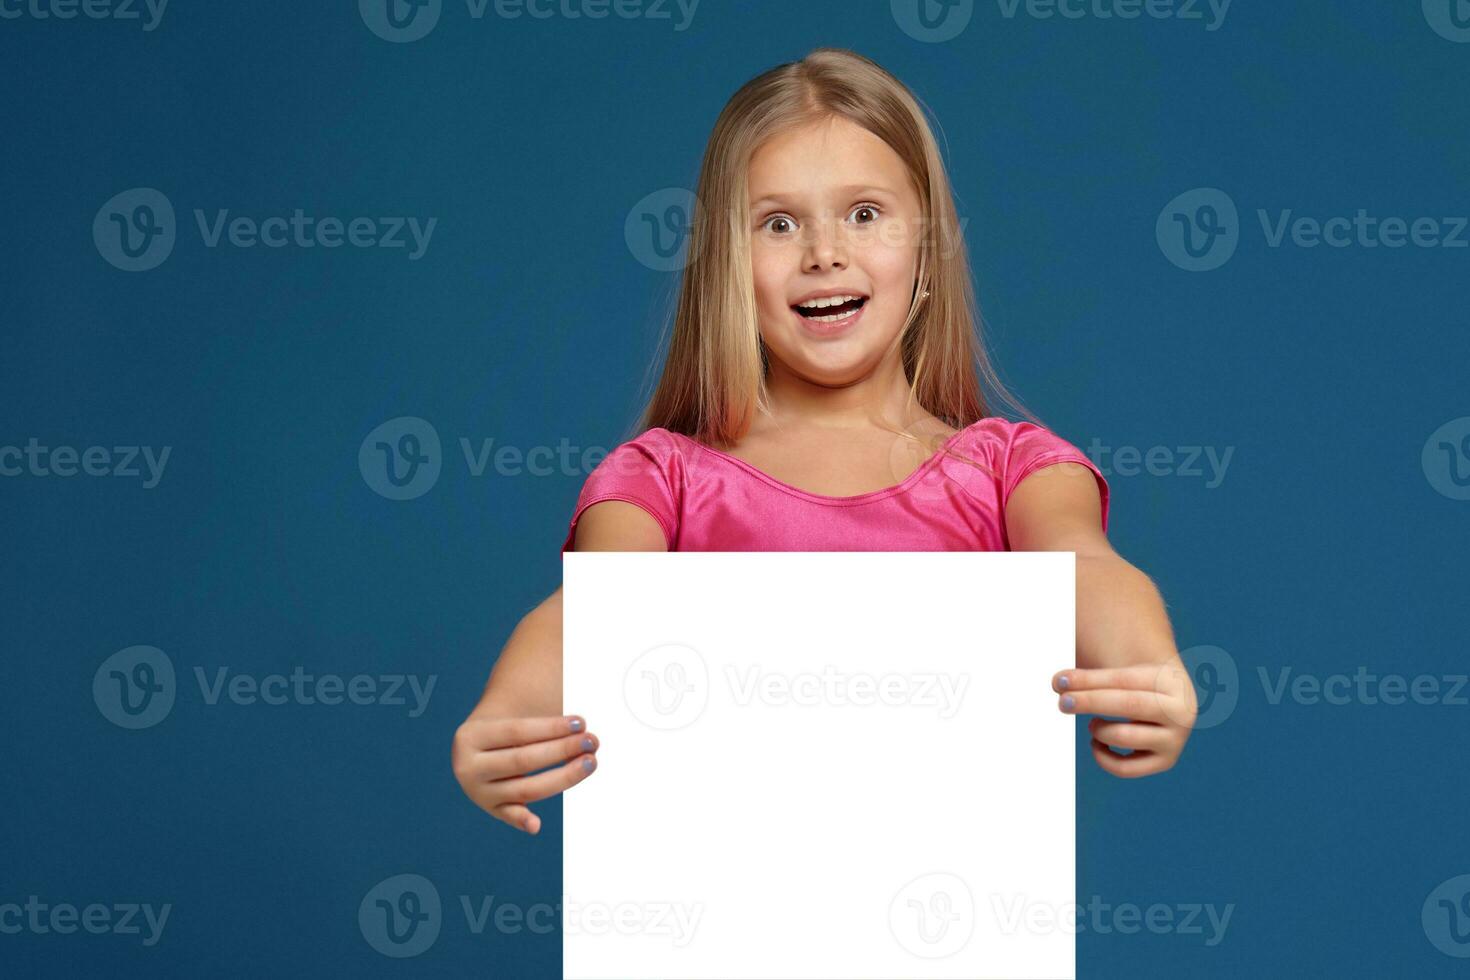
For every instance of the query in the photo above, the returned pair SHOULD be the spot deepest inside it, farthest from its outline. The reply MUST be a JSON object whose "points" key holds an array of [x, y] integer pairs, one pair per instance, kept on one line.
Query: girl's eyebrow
{"points": [[849, 190]]}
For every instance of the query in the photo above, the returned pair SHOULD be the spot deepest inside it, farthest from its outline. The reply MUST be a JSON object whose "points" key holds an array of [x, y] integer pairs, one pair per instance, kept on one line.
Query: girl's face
{"points": [[832, 211]]}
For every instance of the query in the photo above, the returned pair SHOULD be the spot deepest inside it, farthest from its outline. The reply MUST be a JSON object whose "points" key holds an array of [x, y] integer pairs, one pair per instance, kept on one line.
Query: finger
{"points": [[1128, 766], [1140, 677], [1129, 735], [518, 816], [1134, 705], [529, 789], [493, 733], [521, 760]]}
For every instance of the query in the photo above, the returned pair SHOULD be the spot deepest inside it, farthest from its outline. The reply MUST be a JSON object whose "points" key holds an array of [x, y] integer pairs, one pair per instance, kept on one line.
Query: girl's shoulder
{"points": [[647, 471], [656, 449], [658, 440], [654, 453], [1001, 440], [1013, 450]]}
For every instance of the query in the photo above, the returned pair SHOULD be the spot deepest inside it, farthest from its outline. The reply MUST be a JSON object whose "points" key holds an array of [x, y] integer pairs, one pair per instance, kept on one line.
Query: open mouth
{"points": [[831, 314]]}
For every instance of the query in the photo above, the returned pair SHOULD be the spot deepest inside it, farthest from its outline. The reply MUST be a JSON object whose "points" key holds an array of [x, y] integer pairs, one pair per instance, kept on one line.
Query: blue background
{"points": [[529, 320]]}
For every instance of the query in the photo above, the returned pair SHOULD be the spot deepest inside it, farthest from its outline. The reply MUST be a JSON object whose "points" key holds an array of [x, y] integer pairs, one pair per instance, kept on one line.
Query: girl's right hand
{"points": [[492, 757]]}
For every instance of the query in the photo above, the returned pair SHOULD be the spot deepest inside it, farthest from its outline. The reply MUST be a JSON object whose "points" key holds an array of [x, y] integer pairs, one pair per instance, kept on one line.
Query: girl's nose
{"points": [[826, 247]]}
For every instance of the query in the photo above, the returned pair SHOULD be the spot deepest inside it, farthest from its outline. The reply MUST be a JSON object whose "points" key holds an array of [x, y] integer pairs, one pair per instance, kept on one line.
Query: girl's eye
{"points": [[787, 221]]}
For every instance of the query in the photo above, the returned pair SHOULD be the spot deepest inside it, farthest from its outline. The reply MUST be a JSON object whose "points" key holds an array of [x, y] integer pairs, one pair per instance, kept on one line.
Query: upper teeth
{"points": [[816, 304]]}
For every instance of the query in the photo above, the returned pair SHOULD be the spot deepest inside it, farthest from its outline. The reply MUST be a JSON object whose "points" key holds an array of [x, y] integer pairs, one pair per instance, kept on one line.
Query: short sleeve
{"points": [[639, 472], [1033, 447]]}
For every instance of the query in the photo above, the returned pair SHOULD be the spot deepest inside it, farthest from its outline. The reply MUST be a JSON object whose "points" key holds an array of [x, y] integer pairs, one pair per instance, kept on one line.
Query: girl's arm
{"points": [[526, 679], [1126, 655], [518, 726]]}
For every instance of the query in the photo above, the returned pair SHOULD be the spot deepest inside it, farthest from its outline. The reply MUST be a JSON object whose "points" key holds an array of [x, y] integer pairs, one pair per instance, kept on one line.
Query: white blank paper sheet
{"points": [[820, 765]]}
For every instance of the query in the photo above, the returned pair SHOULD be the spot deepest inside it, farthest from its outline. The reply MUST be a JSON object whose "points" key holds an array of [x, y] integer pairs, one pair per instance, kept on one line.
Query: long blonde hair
{"points": [[714, 373]]}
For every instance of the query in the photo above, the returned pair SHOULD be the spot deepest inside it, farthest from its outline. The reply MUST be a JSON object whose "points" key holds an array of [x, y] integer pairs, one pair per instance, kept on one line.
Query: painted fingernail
{"points": [[589, 764], [587, 744], [577, 724], [1064, 682], [1068, 702]]}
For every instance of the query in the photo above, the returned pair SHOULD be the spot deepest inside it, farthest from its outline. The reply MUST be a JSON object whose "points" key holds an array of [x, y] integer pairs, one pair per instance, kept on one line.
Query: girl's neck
{"points": [[882, 399]]}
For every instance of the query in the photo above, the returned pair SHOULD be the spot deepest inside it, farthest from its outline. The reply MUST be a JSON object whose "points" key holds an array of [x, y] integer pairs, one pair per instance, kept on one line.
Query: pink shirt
{"points": [[707, 500]]}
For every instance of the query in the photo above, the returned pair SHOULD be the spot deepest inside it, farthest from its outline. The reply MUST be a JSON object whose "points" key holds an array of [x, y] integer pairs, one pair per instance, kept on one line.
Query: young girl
{"points": [[821, 393]]}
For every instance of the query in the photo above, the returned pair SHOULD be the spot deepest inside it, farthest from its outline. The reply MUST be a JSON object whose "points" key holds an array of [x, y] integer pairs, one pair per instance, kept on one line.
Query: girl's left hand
{"points": [[1158, 701]]}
